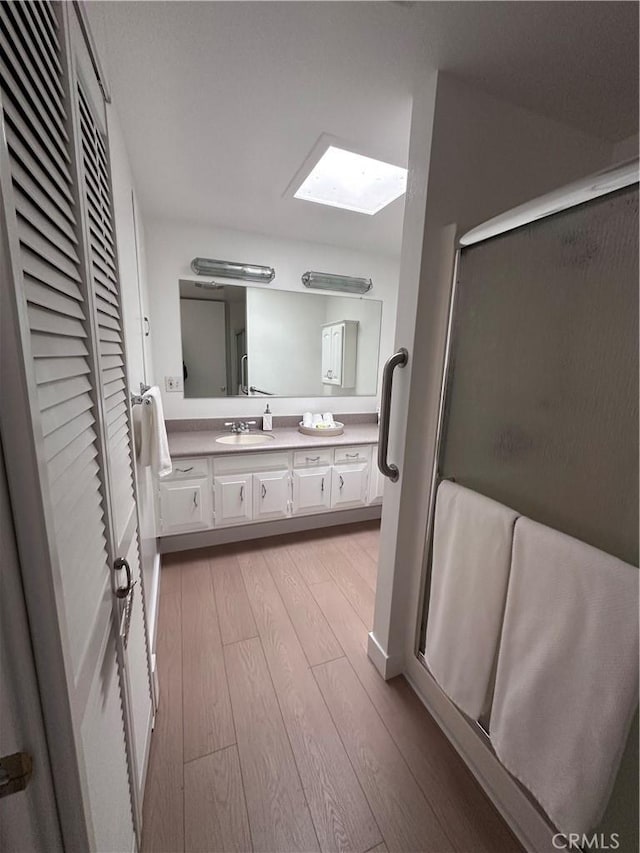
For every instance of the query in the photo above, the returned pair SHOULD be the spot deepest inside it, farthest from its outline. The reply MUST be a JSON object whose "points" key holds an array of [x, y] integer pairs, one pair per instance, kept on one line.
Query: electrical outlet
{"points": [[173, 383]]}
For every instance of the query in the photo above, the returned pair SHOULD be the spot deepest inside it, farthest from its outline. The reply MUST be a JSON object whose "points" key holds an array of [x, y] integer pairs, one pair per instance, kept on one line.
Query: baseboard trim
{"points": [[387, 666], [263, 529]]}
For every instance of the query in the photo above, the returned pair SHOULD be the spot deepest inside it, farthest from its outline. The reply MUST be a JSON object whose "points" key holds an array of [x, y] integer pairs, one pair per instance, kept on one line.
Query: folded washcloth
{"points": [[307, 419], [316, 419], [327, 419]]}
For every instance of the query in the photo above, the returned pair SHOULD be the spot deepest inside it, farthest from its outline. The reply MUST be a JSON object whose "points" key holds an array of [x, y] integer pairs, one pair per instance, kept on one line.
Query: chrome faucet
{"points": [[240, 426]]}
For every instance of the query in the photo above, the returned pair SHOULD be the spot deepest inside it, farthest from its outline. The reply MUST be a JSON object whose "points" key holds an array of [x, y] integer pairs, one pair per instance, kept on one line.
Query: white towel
{"points": [[307, 419], [154, 450], [316, 419], [567, 678], [327, 419], [470, 570]]}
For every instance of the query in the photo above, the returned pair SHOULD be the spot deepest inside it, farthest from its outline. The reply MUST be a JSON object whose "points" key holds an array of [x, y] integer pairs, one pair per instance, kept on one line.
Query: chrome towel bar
{"points": [[139, 399]]}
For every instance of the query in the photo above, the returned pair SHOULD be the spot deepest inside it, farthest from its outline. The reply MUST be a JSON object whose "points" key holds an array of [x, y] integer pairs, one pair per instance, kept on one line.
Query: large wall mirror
{"points": [[240, 340]]}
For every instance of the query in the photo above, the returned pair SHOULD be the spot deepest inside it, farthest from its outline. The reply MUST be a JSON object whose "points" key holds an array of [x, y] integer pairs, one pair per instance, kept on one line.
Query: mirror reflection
{"points": [[239, 340]]}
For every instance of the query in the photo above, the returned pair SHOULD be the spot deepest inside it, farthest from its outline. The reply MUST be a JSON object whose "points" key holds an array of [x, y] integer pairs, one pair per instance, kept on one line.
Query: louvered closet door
{"points": [[40, 209], [108, 330], [76, 400]]}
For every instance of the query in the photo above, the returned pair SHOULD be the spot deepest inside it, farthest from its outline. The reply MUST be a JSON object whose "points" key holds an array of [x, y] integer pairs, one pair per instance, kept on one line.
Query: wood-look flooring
{"points": [[275, 731]]}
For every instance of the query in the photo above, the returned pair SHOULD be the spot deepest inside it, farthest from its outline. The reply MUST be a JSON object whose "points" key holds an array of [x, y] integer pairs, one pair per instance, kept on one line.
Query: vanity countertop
{"points": [[203, 442]]}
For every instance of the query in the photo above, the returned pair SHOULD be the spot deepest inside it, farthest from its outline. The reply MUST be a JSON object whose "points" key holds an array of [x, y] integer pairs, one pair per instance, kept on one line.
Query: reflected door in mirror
{"points": [[204, 348]]}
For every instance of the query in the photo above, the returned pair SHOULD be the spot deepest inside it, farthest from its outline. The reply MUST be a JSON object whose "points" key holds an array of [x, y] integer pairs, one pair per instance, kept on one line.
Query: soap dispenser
{"points": [[267, 420]]}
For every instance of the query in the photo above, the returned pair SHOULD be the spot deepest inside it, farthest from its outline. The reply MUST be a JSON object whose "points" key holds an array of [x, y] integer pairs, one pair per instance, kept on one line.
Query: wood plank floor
{"points": [[276, 733]]}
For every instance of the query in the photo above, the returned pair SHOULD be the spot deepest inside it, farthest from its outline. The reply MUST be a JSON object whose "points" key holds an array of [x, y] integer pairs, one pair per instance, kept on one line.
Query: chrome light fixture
{"points": [[230, 269], [328, 281]]}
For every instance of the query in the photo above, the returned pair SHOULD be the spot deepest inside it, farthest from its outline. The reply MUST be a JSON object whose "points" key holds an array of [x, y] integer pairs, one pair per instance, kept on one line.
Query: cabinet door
{"points": [[337, 337], [349, 485], [326, 355], [233, 499], [185, 505], [311, 490], [271, 495]]}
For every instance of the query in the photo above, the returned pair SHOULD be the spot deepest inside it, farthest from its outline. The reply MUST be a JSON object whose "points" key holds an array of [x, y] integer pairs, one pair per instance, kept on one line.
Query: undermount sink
{"points": [[244, 438]]}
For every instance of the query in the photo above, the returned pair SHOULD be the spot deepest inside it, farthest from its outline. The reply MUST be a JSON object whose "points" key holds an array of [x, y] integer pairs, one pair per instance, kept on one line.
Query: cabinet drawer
{"points": [[250, 462], [352, 455], [313, 457], [188, 468]]}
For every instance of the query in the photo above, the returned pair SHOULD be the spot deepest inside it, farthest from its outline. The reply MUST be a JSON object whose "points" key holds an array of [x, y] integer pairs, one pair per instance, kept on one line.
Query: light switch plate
{"points": [[173, 383]]}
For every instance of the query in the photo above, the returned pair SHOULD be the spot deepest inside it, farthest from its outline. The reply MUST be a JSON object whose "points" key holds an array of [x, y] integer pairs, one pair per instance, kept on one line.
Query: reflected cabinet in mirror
{"points": [[253, 341]]}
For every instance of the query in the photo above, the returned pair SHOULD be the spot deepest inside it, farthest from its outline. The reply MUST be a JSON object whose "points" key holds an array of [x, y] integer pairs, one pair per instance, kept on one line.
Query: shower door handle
{"points": [[398, 359]]}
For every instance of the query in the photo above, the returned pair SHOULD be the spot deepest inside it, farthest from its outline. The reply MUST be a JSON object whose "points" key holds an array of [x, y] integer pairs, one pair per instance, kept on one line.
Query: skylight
{"points": [[353, 182]]}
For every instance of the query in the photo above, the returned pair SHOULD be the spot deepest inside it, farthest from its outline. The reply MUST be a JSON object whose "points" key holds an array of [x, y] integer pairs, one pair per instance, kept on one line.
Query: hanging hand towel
{"points": [[567, 678], [154, 450], [470, 569]]}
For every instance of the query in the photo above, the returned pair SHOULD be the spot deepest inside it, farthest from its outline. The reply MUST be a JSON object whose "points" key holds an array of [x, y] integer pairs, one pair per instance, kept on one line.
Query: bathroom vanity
{"points": [[223, 488]]}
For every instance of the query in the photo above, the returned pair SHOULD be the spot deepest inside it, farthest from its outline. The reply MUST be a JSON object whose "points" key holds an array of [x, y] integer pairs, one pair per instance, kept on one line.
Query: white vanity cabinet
{"points": [[339, 351], [271, 495], [349, 485], [233, 499], [350, 476], [311, 490], [184, 498], [239, 489]]}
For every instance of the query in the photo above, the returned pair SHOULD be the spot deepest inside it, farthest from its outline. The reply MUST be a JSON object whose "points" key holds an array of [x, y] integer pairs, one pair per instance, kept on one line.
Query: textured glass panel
{"points": [[542, 409]]}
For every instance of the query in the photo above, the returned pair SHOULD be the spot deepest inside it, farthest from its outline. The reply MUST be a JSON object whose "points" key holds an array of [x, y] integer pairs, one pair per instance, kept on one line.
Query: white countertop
{"points": [[203, 442]]}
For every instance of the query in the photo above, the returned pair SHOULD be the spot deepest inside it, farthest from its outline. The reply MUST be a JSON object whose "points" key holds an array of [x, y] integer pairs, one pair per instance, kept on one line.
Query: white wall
{"points": [[171, 245], [284, 341]]}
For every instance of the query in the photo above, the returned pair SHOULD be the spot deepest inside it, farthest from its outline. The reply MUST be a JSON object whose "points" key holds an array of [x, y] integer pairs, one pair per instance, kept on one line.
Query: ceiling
{"points": [[222, 102]]}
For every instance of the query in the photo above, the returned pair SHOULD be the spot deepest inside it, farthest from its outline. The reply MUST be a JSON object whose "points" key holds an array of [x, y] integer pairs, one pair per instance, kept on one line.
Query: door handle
{"points": [[322, 486], [241, 493], [147, 330], [398, 359], [118, 565], [185, 470], [195, 499], [264, 491], [341, 481], [244, 373]]}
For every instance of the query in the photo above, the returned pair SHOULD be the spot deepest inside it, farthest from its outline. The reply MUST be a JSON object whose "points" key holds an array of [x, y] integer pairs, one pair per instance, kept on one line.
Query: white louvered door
{"points": [[113, 393], [57, 236]]}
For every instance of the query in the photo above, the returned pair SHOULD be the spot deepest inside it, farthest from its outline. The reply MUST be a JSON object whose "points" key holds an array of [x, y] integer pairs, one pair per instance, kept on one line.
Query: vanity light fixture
{"points": [[352, 181], [231, 269], [328, 281]]}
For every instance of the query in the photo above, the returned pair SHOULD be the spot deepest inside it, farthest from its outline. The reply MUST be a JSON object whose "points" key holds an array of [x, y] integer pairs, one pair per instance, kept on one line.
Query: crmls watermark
{"points": [[577, 841]]}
